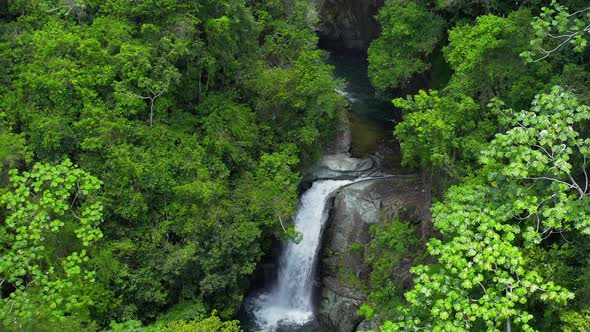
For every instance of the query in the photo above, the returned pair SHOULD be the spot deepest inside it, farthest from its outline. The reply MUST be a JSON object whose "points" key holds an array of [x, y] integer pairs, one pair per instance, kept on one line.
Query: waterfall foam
{"points": [[289, 302]]}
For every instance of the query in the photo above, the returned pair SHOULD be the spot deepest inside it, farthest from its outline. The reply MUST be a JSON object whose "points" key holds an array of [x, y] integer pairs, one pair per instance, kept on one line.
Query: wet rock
{"points": [[344, 271], [340, 308], [343, 137], [368, 325], [350, 22], [343, 167]]}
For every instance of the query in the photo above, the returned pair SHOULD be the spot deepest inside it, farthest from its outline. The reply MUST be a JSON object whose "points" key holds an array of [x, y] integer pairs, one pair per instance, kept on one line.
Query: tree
{"points": [[204, 324], [470, 6], [409, 35], [229, 130], [13, 151], [300, 101], [441, 130], [52, 218], [557, 27], [288, 30], [212, 323], [486, 62], [155, 98], [533, 187]]}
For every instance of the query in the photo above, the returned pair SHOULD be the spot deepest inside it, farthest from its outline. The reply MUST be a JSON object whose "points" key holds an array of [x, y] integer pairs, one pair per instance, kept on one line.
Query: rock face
{"points": [[367, 326], [350, 22], [343, 270], [343, 167]]}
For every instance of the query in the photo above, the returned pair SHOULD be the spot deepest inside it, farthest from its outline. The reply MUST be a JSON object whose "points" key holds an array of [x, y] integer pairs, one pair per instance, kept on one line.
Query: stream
{"points": [[287, 305], [371, 119]]}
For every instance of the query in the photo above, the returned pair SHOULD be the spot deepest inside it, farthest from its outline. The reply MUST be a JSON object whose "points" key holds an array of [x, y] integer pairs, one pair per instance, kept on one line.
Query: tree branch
{"points": [[551, 179], [578, 12], [282, 226]]}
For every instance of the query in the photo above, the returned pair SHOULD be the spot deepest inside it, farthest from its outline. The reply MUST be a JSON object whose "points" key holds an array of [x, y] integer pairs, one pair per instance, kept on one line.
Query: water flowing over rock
{"points": [[289, 302]]}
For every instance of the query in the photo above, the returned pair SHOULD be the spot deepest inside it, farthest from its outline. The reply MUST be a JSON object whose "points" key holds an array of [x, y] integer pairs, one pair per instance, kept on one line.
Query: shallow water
{"points": [[372, 120]]}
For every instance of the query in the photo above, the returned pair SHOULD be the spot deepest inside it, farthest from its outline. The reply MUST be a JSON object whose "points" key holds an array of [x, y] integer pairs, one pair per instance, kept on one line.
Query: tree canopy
{"points": [[151, 152], [150, 155], [506, 139]]}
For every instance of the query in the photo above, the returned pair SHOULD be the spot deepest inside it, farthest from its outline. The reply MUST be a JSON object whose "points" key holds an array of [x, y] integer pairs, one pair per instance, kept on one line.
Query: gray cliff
{"points": [[343, 270]]}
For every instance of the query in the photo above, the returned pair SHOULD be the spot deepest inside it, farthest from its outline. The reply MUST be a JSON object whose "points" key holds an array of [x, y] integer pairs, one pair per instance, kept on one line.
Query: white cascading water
{"points": [[290, 301]]}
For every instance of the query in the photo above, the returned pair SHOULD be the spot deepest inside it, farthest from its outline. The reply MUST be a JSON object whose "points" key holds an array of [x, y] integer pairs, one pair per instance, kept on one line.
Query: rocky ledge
{"points": [[343, 167]]}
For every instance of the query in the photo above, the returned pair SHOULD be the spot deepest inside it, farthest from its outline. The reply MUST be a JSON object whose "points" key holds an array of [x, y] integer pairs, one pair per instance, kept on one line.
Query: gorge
{"points": [[350, 189]]}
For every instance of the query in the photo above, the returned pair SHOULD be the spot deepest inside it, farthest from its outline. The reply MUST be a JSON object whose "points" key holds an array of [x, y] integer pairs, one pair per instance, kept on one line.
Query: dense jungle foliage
{"points": [[148, 151], [506, 139]]}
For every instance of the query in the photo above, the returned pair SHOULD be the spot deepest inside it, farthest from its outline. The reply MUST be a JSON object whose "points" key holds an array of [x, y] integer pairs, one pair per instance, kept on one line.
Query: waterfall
{"points": [[289, 302], [286, 305]]}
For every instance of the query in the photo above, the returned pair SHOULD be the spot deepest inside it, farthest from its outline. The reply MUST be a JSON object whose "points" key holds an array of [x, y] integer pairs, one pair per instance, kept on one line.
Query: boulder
{"points": [[343, 137], [368, 325], [340, 309], [343, 167], [343, 268]]}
